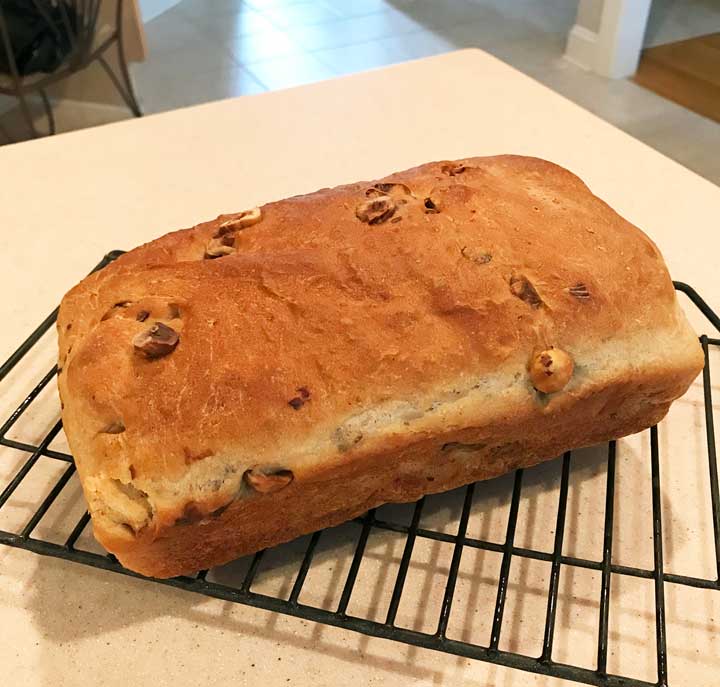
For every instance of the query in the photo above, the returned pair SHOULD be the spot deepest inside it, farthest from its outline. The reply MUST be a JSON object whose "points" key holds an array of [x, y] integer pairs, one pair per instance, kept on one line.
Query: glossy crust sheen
{"points": [[345, 355]]}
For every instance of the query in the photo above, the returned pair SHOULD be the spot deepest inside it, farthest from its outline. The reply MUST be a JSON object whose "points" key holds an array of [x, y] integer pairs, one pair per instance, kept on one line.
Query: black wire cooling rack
{"points": [[373, 522]]}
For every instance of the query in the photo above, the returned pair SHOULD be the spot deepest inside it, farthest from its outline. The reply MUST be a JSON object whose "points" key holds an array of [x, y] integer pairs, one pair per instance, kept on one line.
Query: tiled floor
{"points": [[208, 49]]}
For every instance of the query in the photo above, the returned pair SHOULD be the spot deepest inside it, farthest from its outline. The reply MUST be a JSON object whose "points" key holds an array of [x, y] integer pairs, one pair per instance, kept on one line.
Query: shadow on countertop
{"points": [[128, 629]]}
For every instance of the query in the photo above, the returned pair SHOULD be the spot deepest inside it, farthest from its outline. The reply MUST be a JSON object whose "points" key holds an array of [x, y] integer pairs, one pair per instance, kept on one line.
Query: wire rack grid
{"points": [[411, 530]]}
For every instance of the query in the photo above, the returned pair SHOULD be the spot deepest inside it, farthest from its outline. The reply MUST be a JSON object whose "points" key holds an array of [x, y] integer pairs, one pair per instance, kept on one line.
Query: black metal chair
{"points": [[79, 22]]}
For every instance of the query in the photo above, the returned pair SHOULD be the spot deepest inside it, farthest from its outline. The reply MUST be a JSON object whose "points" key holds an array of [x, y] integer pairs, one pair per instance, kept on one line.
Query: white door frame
{"points": [[614, 49]]}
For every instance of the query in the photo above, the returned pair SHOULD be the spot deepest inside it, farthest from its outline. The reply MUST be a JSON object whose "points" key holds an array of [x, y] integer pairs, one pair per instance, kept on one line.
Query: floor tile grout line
{"points": [[257, 78], [268, 17], [302, 49], [185, 78], [386, 9], [315, 52]]}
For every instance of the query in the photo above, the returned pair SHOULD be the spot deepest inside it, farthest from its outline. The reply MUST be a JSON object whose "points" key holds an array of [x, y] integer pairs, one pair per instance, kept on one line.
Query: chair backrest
{"points": [[77, 19], [71, 24]]}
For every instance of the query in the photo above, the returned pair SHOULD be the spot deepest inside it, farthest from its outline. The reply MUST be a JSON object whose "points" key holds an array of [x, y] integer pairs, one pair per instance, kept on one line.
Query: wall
{"points": [[610, 38], [589, 14]]}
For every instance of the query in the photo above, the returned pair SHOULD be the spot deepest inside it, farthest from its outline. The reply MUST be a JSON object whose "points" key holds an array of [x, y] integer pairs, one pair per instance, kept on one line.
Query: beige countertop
{"points": [[66, 201]]}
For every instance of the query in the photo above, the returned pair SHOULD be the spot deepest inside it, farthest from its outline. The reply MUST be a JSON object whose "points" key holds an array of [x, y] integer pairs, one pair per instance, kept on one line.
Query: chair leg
{"points": [[125, 72], [125, 89], [48, 112], [129, 96]]}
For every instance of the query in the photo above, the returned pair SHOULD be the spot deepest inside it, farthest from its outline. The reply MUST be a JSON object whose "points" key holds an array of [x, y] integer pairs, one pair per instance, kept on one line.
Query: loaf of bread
{"points": [[283, 369]]}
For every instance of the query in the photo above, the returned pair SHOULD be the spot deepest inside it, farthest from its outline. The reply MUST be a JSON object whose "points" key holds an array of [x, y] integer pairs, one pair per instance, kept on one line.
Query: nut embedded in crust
{"points": [[431, 207], [267, 483], [522, 288], [218, 248], [551, 370], [390, 188], [156, 342], [453, 169], [115, 427], [579, 291], [240, 221], [376, 210]]}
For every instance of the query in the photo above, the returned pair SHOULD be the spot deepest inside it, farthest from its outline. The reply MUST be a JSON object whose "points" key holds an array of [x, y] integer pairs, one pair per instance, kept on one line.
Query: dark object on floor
{"points": [[45, 41], [686, 72], [40, 41]]}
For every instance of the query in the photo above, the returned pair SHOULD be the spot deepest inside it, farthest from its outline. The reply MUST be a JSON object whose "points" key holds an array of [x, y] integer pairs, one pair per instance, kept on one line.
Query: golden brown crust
{"points": [[347, 336]]}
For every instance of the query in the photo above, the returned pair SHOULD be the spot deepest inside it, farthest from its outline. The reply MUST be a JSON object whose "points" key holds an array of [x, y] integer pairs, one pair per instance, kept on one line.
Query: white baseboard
{"points": [[581, 47]]}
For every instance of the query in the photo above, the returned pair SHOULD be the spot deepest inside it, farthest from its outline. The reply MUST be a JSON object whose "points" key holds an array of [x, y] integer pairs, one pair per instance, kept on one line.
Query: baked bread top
{"points": [[328, 315]]}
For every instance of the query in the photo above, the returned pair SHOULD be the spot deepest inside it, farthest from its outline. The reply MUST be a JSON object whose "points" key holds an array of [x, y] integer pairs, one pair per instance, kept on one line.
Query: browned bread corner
{"points": [[269, 373]]}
